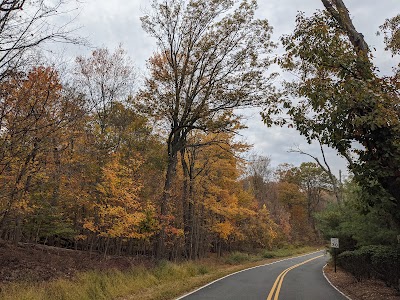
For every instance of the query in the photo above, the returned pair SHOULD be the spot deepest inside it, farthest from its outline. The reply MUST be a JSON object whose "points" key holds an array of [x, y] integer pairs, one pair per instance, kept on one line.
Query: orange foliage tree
{"points": [[34, 111]]}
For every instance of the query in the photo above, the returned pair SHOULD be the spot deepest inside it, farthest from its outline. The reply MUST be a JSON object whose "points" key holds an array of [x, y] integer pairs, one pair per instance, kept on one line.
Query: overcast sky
{"points": [[107, 23]]}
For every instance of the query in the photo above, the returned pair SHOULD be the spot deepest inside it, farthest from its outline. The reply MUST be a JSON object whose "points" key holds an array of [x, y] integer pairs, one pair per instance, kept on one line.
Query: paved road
{"points": [[303, 282]]}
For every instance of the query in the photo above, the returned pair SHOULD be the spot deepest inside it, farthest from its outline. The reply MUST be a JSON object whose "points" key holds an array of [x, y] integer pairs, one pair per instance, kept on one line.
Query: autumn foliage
{"points": [[88, 164], [68, 179]]}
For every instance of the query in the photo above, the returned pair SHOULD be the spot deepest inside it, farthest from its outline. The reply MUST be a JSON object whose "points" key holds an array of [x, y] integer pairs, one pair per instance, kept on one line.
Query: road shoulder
{"points": [[364, 290]]}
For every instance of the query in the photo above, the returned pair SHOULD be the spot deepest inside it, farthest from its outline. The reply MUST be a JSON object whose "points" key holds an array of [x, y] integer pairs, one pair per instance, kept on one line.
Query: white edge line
{"points": [[327, 279], [202, 287]]}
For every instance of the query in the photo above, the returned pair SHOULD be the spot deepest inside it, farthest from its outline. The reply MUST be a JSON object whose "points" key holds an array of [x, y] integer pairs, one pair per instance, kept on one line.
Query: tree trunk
{"points": [[188, 205], [340, 13], [171, 172], [57, 173]]}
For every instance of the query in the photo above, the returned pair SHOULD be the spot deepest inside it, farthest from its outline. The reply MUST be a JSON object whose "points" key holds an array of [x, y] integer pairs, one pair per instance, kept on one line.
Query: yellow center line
{"points": [[276, 288]]}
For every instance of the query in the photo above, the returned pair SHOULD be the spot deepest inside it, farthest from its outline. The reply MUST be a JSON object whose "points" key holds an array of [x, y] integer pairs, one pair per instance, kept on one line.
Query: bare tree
{"points": [[104, 78], [259, 176], [260, 166], [25, 25]]}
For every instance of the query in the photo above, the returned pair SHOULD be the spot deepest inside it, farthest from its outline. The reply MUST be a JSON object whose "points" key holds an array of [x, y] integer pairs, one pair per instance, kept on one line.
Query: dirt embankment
{"points": [[41, 263]]}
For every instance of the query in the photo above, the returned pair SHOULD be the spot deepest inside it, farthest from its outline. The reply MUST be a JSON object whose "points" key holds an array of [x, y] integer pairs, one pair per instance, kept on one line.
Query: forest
{"points": [[95, 158]]}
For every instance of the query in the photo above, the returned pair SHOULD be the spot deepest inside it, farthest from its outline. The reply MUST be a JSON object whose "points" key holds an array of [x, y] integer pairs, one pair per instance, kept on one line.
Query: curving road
{"points": [[295, 278]]}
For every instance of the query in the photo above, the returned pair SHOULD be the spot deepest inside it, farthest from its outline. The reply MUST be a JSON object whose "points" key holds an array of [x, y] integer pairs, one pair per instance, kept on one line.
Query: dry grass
{"points": [[165, 281]]}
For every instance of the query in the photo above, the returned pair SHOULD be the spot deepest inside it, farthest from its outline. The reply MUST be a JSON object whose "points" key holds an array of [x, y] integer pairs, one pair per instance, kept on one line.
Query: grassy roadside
{"points": [[165, 281]]}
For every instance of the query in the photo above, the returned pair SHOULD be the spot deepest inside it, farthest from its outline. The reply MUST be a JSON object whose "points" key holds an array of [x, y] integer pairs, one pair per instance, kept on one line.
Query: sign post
{"points": [[334, 245]]}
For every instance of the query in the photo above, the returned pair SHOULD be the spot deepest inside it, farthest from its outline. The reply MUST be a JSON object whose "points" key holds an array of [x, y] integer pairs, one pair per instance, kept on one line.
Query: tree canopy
{"points": [[343, 101]]}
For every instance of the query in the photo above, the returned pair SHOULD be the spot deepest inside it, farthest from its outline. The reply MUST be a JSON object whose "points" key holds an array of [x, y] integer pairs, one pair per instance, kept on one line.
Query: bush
{"points": [[268, 254], [386, 264], [357, 262], [236, 258], [381, 262]]}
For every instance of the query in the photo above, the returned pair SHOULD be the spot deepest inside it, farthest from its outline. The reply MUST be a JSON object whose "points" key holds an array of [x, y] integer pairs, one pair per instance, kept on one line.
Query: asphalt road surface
{"points": [[298, 278]]}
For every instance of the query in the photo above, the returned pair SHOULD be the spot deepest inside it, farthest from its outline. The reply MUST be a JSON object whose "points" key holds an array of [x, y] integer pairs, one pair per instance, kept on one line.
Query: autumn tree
{"points": [[391, 31], [109, 192], [36, 112], [118, 214], [64, 181], [293, 200], [116, 156], [25, 27], [344, 100], [304, 191], [222, 212], [316, 185], [211, 59]]}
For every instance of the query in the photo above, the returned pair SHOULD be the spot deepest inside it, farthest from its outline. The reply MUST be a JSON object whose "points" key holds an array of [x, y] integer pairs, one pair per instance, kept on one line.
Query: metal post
{"points": [[334, 258]]}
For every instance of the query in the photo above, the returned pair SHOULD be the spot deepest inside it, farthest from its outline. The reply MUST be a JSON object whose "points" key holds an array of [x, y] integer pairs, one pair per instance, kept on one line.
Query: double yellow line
{"points": [[276, 288]]}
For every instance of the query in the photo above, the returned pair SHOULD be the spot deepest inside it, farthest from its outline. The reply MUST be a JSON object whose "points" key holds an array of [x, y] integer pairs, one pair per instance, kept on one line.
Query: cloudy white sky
{"points": [[107, 23]]}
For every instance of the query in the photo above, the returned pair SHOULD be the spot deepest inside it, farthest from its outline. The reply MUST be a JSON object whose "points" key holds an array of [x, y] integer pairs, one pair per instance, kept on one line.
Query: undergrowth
{"points": [[165, 281]]}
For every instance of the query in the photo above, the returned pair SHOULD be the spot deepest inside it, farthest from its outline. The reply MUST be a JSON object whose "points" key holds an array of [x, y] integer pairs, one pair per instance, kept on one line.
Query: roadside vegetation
{"points": [[369, 245], [166, 280]]}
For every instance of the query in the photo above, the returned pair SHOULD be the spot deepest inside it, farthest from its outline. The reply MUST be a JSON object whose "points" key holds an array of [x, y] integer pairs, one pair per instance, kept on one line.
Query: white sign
{"points": [[334, 242]]}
